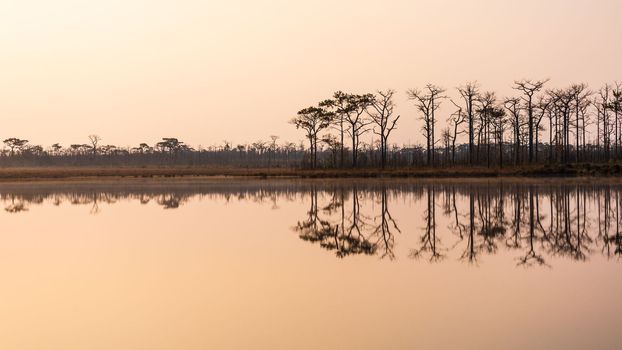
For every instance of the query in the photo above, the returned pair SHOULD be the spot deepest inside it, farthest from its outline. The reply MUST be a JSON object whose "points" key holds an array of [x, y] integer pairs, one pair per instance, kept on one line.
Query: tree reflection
{"points": [[531, 257], [170, 201], [341, 227], [17, 198], [16, 207], [609, 233], [534, 222], [346, 235], [430, 243]]}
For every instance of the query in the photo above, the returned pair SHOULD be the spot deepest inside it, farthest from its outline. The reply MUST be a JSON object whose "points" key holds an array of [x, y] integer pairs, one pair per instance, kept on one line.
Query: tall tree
{"points": [[94, 139], [487, 102], [349, 110], [498, 122], [357, 123], [602, 104], [340, 107], [455, 120], [381, 114], [563, 106], [428, 102], [616, 106], [529, 88], [470, 93], [580, 94], [313, 120], [542, 107], [512, 105]]}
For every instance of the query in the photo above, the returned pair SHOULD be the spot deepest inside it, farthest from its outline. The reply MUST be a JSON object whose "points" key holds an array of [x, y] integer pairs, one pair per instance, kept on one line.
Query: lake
{"points": [[306, 264]]}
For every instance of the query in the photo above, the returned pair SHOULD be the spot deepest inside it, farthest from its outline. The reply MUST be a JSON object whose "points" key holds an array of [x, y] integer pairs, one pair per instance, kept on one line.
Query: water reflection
{"points": [[353, 232], [535, 221], [169, 195]]}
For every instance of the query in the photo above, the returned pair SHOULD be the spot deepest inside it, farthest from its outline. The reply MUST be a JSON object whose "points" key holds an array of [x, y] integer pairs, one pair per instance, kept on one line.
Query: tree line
{"points": [[168, 151], [535, 125]]}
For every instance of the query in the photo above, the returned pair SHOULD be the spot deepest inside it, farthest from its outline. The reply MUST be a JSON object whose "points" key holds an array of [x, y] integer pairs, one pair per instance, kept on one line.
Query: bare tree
{"points": [[616, 106], [384, 120], [470, 94], [273, 148], [446, 139], [487, 102], [94, 139], [498, 121], [455, 121], [529, 88], [563, 105], [580, 95], [602, 104], [513, 106], [542, 106], [427, 102]]}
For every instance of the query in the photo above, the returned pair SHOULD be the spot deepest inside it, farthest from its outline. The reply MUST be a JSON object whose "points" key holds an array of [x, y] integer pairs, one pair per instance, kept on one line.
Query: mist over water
{"points": [[309, 264]]}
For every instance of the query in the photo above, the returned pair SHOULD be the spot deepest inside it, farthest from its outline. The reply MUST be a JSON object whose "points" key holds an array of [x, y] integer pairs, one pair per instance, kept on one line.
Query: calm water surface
{"points": [[294, 264]]}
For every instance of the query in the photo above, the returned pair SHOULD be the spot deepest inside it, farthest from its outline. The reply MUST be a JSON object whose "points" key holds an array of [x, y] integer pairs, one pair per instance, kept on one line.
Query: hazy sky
{"points": [[204, 71]]}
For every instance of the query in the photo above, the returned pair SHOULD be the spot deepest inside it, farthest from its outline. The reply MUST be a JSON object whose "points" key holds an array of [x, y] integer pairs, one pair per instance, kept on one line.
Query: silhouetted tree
{"points": [[358, 124], [385, 122], [428, 102], [94, 140], [470, 94], [313, 120], [15, 144], [529, 88], [455, 121], [517, 122]]}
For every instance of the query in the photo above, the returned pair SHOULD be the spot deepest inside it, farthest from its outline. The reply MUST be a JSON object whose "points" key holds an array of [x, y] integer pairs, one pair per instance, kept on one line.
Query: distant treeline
{"points": [[169, 151], [537, 125]]}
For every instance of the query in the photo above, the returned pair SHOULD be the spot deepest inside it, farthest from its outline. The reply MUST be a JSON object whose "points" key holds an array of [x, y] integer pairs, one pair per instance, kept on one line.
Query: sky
{"points": [[135, 71]]}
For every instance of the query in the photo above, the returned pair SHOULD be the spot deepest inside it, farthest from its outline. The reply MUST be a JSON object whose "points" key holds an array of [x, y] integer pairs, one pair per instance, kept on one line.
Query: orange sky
{"points": [[204, 71]]}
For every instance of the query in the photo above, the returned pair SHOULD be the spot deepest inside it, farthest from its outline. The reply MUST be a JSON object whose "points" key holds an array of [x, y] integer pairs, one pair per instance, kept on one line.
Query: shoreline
{"points": [[28, 174]]}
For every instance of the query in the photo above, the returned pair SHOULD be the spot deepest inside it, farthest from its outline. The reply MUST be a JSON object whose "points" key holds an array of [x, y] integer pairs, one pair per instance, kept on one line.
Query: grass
{"points": [[571, 170]]}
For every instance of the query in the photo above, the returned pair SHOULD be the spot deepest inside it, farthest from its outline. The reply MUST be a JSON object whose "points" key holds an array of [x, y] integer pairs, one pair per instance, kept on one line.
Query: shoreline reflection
{"points": [[535, 222]]}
